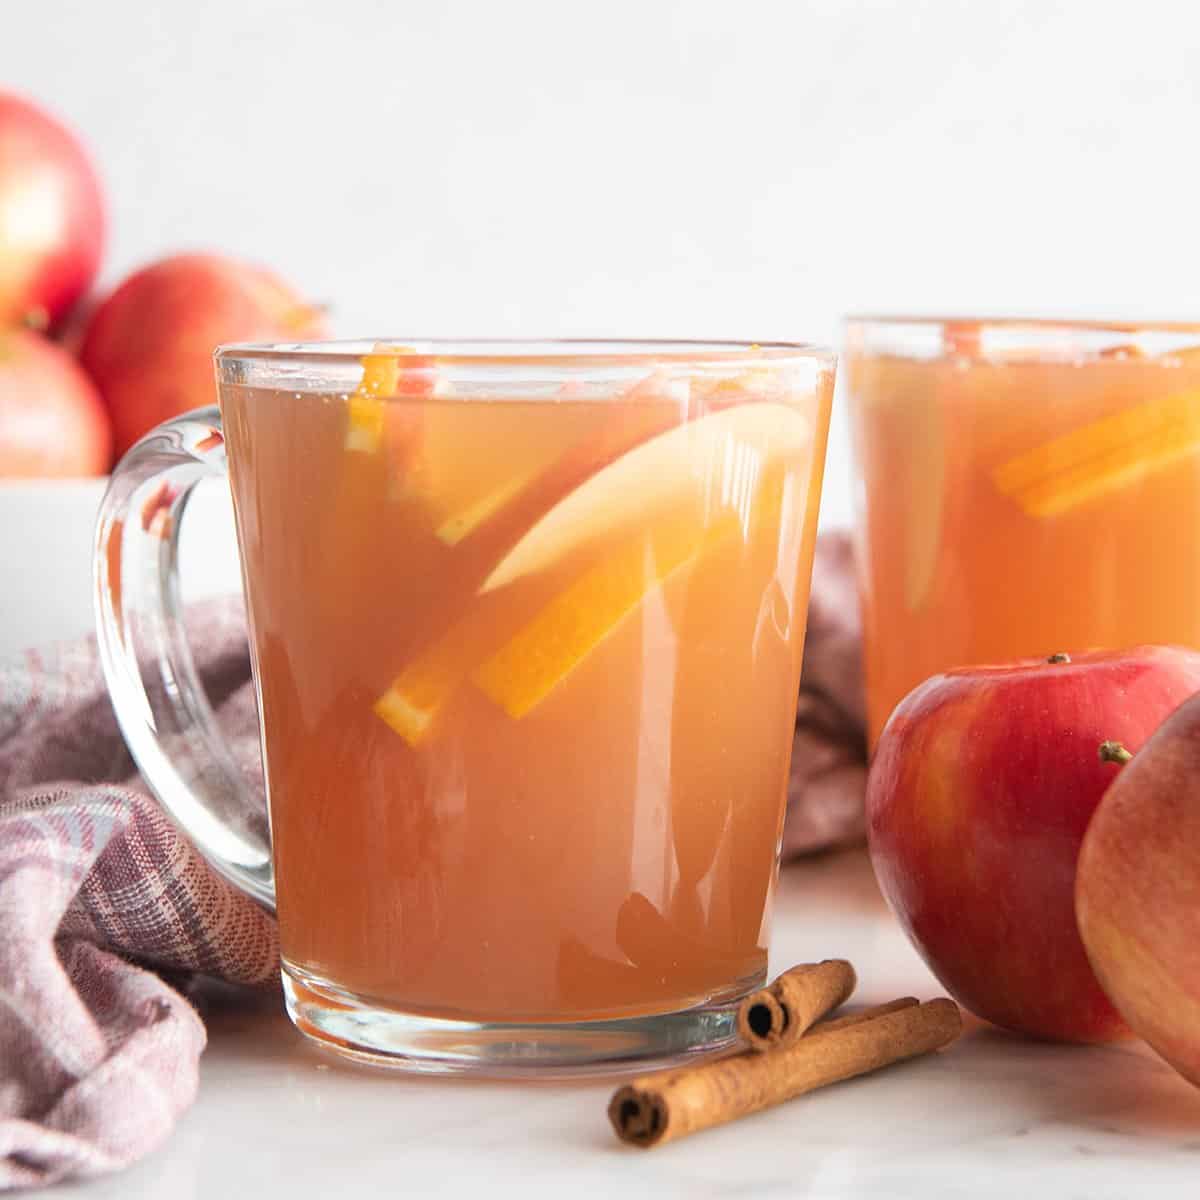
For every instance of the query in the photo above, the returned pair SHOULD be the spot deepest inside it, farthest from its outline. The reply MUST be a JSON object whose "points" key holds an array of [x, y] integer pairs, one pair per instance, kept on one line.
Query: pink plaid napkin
{"points": [[98, 1055], [829, 752]]}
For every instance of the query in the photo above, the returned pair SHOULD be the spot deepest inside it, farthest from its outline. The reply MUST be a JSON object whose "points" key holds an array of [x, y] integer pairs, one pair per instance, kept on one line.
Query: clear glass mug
{"points": [[1027, 487], [526, 625]]}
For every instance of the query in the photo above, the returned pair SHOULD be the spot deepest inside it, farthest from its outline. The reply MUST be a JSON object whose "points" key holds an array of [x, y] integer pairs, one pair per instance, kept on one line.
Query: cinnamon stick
{"points": [[779, 1014], [660, 1108], [866, 1014]]}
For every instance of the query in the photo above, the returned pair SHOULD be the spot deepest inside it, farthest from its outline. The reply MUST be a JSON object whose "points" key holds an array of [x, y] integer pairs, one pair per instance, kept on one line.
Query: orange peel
{"points": [[532, 663], [1103, 456]]}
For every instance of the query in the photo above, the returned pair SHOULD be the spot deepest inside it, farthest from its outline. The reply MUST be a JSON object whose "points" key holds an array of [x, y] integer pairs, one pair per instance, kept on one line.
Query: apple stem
{"points": [[1114, 752], [1059, 658]]}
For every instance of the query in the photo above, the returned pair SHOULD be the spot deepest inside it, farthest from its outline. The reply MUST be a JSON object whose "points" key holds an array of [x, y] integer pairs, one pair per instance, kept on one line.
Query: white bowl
{"points": [[46, 555]]}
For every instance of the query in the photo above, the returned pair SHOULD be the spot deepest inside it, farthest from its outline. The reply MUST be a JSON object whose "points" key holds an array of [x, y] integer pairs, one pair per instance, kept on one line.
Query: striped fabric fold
{"points": [[98, 1055], [828, 779]]}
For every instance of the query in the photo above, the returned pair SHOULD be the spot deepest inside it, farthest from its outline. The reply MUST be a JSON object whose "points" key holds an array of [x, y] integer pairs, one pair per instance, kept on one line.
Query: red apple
{"points": [[981, 789], [149, 345], [51, 216], [52, 422], [1137, 895]]}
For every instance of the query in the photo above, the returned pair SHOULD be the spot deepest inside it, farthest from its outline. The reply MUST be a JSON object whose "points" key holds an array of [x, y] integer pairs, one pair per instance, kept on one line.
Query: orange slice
{"points": [[366, 407], [388, 371], [1102, 457], [546, 650], [557, 639], [416, 694]]}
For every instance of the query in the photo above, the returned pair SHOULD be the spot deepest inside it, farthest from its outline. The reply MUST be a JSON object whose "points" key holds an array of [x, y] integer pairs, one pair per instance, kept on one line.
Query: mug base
{"points": [[367, 1033]]}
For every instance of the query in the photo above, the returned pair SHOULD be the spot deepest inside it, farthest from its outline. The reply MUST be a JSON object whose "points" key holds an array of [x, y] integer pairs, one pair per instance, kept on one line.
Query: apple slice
{"points": [[461, 524], [702, 463], [529, 491], [1102, 457], [466, 484]]}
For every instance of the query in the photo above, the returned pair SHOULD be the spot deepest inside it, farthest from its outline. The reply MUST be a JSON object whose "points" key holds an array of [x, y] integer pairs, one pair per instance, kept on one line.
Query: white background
{"points": [[634, 166], [713, 168]]}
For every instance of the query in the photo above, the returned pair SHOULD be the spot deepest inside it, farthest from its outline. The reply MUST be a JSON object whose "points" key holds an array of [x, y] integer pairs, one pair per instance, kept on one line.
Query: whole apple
{"points": [[149, 345], [1137, 895], [52, 422], [979, 795], [51, 217]]}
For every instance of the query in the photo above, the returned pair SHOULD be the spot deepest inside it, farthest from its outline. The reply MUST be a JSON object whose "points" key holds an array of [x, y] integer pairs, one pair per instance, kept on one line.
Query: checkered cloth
{"points": [[99, 892], [829, 752], [98, 1055]]}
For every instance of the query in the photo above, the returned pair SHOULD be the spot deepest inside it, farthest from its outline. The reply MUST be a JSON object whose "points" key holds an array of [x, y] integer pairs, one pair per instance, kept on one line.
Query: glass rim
{"points": [[528, 352], [1015, 340], [1037, 324]]}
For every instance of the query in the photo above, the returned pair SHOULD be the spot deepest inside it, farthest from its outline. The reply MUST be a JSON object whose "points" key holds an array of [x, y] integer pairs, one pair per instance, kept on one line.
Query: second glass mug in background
{"points": [[526, 622], [1026, 488]]}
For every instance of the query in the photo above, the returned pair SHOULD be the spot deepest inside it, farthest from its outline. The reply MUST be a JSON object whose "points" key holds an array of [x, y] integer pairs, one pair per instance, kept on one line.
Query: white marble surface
{"points": [[992, 1116]]}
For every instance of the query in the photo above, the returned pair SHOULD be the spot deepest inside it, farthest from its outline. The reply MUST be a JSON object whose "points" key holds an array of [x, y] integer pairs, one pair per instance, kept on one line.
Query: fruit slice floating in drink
{"points": [[418, 693], [628, 527], [389, 372], [1103, 456], [471, 490], [529, 665], [381, 435], [472, 487], [713, 460], [366, 407]]}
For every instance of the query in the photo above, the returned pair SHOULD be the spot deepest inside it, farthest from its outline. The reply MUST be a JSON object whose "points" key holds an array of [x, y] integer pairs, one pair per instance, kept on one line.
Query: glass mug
{"points": [[526, 622], [1027, 487]]}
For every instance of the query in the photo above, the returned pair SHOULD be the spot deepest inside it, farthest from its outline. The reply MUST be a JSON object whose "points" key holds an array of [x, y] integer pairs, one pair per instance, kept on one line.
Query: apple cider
{"points": [[527, 659], [1028, 489]]}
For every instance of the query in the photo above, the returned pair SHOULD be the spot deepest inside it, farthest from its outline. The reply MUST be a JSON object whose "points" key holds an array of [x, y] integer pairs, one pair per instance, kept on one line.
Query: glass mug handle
{"points": [[161, 707]]}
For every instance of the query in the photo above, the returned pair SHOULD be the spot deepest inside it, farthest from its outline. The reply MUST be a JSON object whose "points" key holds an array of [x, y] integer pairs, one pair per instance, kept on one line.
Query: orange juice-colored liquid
{"points": [[528, 674], [1019, 507]]}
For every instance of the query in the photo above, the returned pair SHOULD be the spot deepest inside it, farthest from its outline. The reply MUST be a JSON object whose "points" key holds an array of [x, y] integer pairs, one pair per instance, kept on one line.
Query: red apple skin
{"points": [[52, 223], [1137, 894], [979, 795], [149, 345], [52, 422]]}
